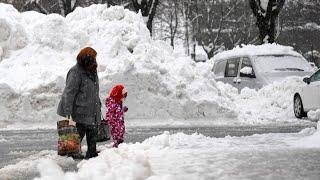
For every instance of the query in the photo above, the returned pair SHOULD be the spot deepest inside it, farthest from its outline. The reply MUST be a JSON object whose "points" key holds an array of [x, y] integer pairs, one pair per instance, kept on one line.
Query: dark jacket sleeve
{"points": [[72, 88]]}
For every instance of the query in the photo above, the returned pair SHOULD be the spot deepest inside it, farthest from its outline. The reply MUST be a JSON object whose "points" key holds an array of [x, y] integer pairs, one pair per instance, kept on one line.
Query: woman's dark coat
{"points": [[80, 98]]}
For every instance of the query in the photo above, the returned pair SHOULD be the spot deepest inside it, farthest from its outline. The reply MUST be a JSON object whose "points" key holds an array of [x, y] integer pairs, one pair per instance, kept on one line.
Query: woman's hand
{"points": [[125, 109], [71, 122]]}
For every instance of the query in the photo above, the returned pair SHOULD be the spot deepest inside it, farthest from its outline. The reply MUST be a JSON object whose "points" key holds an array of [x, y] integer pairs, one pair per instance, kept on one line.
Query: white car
{"points": [[256, 71], [308, 97]]}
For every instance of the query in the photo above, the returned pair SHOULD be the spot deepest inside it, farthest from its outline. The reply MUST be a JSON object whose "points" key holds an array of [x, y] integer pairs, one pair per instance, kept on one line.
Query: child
{"points": [[115, 113]]}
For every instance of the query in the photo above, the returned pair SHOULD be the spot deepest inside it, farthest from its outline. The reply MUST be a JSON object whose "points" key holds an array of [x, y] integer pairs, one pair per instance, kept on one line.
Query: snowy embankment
{"points": [[37, 50], [181, 156]]}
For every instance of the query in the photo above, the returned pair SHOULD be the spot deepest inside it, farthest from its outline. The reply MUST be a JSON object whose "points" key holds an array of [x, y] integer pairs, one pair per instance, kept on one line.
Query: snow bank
{"points": [[162, 85], [272, 103], [312, 141], [123, 163], [180, 156], [314, 115], [27, 167], [12, 33]]}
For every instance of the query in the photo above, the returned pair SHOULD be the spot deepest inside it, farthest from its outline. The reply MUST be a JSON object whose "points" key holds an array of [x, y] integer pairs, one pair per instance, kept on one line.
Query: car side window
{"points": [[246, 62], [219, 68], [315, 77], [232, 67]]}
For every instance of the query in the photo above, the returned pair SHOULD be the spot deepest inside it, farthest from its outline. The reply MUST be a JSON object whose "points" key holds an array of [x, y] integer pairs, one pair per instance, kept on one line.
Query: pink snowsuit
{"points": [[115, 119]]}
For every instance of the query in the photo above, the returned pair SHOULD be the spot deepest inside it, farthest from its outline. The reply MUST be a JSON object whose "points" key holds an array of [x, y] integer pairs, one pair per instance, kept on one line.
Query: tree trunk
{"points": [[61, 6], [68, 7], [172, 41], [266, 19], [151, 15], [173, 22], [186, 26], [171, 29]]}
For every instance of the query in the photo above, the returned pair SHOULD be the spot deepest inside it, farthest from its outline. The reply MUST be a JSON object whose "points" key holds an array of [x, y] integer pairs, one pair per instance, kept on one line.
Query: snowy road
{"points": [[20, 143], [267, 156]]}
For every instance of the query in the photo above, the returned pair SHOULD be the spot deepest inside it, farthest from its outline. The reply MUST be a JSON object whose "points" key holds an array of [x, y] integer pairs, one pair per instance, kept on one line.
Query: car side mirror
{"points": [[247, 72], [306, 80]]}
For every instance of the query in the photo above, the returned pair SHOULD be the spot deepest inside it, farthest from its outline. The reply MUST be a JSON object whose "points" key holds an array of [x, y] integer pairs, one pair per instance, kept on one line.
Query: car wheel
{"points": [[298, 107]]}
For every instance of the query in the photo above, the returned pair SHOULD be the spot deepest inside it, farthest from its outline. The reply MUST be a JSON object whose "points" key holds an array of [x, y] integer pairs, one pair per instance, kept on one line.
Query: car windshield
{"points": [[277, 63]]}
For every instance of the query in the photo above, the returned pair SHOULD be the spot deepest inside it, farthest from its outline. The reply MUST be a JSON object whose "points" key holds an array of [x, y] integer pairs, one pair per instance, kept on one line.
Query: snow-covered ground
{"points": [[165, 87], [181, 156]]}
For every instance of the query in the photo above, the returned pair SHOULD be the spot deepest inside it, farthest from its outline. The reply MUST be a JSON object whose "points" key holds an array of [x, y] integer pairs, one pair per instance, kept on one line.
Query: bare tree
{"points": [[108, 2], [266, 12], [205, 23], [62, 7], [195, 31], [37, 4], [209, 29], [65, 6], [242, 29], [148, 10], [168, 12]]}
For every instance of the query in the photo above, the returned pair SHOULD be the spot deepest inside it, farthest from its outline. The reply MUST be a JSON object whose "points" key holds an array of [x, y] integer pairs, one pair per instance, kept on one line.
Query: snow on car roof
{"points": [[256, 50]]}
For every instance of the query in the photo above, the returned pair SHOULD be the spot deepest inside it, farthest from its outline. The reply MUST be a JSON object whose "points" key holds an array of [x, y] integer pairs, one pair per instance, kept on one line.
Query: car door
{"points": [[247, 79], [219, 69], [315, 83], [311, 93], [231, 74]]}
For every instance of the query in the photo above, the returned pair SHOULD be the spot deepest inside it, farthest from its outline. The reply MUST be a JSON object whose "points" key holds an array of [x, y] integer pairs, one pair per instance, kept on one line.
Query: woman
{"points": [[80, 99], [115, 113]]}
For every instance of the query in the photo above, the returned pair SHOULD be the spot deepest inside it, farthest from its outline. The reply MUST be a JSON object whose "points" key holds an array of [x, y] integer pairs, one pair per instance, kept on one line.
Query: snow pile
{"points": [[314, 115], [252, 50], [130, 161], [272, 103], [27, 167], [181, 156], [12, 33], [120, 163], [312, 141], [163, 86]]}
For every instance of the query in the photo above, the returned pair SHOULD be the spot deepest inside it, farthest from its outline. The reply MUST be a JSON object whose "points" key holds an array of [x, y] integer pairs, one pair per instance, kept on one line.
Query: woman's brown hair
{"points": [[87, 59]]}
